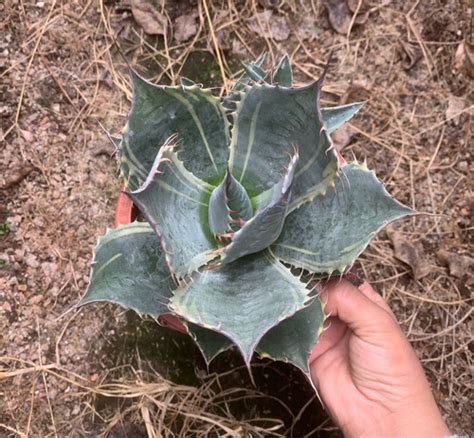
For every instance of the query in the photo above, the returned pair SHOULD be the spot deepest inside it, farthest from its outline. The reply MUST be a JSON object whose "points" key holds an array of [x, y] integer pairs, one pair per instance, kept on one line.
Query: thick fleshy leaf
{"points": [[283, 75], [334, 117], [238, 199], [292, 340], [208, 341], [175, 203], [229, 101], [269, 122], [219, 214], [274, 193], [243, 301], [229, 197], [158, 112], [129, 268], [258, 233], [246, 78], [254, 72], [265, 227], [315, 176], [327, 235]]}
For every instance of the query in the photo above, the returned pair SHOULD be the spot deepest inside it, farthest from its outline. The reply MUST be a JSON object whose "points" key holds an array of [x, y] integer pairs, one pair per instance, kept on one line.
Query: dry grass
{"points": [[161, 407], [401, 60]]}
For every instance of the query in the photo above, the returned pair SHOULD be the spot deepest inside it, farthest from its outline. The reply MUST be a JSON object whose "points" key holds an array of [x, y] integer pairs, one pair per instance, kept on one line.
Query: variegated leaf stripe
{"points": [[191, 113], [265, 227], [251, 141], [263, 135], [224, 300], [124, 231], [129, 269], [328, 234], [173, 201], [215, 103], [309, 185], [303, 257]]}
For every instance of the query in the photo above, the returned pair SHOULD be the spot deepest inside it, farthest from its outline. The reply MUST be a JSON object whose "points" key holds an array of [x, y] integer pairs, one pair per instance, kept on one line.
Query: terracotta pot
{"points": [[126, 213]]}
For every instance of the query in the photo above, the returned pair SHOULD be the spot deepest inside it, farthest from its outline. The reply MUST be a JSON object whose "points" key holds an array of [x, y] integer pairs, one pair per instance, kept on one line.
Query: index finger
{"points": [[356, 309]]}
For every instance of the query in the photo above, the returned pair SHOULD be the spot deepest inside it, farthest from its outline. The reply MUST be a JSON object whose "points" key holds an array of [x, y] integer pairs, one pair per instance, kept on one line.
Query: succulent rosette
{"points": [[237, 192]]}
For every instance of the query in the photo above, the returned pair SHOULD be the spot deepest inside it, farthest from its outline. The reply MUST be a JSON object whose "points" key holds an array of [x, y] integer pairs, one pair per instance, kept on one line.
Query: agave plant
{"points": [[241, 195]]}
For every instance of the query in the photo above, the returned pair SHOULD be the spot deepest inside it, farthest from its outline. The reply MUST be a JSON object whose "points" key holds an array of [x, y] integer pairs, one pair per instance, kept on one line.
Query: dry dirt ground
{"points": [[97, 371]]}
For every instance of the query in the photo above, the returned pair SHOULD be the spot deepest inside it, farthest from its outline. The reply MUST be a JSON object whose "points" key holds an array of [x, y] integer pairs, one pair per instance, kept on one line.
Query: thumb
{"points": [[357, 310]]}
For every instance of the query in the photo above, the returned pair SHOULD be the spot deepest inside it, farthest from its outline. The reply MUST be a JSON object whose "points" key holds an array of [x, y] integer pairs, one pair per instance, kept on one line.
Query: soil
{"points": [[63, 77]]}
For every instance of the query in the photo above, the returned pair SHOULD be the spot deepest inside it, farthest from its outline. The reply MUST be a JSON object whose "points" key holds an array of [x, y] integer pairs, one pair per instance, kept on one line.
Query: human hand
{"points": [[366, 372]]}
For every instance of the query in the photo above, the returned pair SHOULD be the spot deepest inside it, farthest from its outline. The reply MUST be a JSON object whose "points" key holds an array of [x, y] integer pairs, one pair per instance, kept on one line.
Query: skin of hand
{"points": [[368, 376]]}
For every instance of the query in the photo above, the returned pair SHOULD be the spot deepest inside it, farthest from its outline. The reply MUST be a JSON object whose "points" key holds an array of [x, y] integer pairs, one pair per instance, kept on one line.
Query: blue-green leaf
{"points": [[265, 227], [229, 201], [293, 339], [327, 234], [316, 175], [334, 117], [229, 101], [242, 301], [269, 122], [246, 78], [174, 202], [189, 112], [208, 341], [254, 72], [219, 214], [129, 269], [290, 341], [283, 75]]}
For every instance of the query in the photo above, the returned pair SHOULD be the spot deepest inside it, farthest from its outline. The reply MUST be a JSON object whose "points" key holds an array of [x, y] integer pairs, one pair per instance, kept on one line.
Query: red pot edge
{"points": [[126, 213], [124, 210]]}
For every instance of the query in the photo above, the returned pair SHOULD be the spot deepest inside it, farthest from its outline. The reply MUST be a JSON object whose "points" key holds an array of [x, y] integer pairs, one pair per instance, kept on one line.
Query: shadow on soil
{"points": [[175, 356]]}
